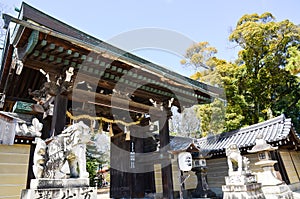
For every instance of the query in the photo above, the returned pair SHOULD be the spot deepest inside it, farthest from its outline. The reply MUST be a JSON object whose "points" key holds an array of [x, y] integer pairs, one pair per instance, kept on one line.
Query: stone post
{"points": [[199, 167]]}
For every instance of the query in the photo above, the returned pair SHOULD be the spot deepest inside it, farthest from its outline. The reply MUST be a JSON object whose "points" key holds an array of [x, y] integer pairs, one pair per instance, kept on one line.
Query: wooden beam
{"points": [[112, 101], [24, 51], [101, 75], [93, 80], [144, 93], [37, 65]]}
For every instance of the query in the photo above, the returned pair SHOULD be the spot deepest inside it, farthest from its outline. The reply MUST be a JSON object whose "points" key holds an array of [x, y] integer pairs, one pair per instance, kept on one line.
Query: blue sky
{"points": [[194, 20]]}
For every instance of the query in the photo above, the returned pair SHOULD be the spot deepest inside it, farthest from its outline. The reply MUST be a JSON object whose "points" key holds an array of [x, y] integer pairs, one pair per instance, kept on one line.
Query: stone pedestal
{"points": [[60, 188], [242, 186], [44, 183], [248, 191], [281, 191], [272, 187]]}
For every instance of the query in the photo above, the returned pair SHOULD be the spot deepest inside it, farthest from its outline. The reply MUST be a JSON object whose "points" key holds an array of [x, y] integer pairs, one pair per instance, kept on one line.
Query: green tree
{"points": [[211, 117], [91, 167], [215, 117], [218, 117], [198, 56], [266, 83], [293, 62], [261, 83]]}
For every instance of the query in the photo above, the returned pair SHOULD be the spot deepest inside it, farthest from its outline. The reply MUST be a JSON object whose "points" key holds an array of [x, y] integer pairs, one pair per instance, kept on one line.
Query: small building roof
{"points": [[179, 144], [276, 131]]}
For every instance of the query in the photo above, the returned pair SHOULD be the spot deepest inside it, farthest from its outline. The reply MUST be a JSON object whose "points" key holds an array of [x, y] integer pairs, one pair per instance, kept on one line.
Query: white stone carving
{"points": [[36, 127], [69, 74], [39, 158], [79, 136], [236, 162], [33, 130], [69, 146]]}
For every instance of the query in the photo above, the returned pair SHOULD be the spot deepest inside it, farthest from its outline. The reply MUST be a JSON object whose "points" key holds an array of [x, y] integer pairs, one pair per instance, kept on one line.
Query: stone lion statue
{"points": [[236, 162], [69, 146]]}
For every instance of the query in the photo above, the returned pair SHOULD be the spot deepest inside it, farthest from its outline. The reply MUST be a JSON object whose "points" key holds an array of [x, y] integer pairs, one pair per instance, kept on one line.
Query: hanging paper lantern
{"points": [[185, 161]]}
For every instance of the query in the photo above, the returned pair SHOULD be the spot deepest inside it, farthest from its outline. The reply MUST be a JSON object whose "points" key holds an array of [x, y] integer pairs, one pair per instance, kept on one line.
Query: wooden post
{"points": [[138, 181], [59, 114], [166, 171], [281, 168]]}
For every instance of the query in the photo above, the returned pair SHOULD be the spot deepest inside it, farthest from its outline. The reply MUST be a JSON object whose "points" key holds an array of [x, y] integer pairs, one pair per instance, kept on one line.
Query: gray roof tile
{"points": [[273, 130]]}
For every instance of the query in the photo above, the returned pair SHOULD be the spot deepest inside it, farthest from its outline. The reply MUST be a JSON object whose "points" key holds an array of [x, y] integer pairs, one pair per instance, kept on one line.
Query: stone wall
{"points": [[13, 170]]}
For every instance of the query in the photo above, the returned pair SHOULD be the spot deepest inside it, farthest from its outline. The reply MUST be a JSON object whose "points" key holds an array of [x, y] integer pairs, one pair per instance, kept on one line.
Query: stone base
{"points": [[240, 179], [78, 193], [46, 183], [248, 191], [279, 191]]}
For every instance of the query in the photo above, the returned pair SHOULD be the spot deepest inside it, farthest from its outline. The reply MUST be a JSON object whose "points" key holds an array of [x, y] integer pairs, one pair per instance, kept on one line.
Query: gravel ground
{"points": [[103, 193]]}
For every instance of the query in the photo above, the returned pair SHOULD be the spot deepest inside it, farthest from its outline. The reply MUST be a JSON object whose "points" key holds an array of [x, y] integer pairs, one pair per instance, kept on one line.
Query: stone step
{"points": [[296, 195]]}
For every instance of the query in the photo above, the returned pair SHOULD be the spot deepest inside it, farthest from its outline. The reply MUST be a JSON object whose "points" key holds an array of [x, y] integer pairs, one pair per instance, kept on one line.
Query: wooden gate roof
{"points": [[44, 42]]}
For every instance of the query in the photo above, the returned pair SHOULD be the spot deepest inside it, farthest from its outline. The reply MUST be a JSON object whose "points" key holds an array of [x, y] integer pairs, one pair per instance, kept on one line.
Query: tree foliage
{"points": [[185, 123], [217, 116], [91, 167], [211, 117], [261, 84], [198, 55], [293, 62], [266, 84]]}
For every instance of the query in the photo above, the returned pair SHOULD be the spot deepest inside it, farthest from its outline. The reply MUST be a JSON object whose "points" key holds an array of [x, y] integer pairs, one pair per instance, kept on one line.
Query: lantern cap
{"points": [[261, 145]]}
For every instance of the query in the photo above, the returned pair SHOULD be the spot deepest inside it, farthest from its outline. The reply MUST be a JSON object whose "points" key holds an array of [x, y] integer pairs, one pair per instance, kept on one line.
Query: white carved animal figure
{"points": [[69, 146], [76, 148], [236, 162], [38, 158]]}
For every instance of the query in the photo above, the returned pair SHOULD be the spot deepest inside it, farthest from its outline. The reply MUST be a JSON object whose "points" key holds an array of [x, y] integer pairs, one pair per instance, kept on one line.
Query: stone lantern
{"points": [[199, 167], [271, 185]]}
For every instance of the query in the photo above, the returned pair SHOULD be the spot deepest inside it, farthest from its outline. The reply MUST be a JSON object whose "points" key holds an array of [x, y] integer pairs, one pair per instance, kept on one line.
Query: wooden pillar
{"points": [[280, 166], [138, 181], [59, 114], [166, 170]]}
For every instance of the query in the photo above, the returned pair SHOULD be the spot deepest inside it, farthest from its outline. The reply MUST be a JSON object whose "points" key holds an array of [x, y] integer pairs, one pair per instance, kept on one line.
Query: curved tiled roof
{"points": [[181, 143], [274, 130]]}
